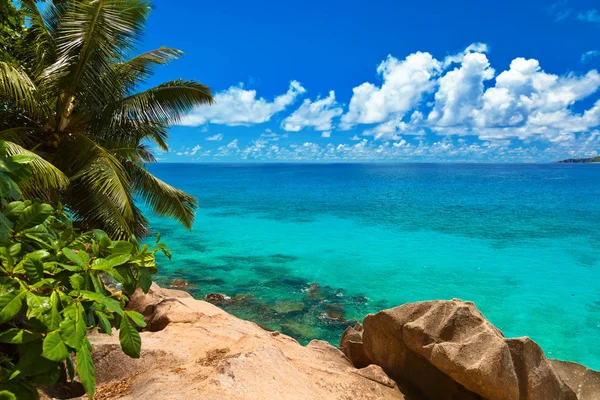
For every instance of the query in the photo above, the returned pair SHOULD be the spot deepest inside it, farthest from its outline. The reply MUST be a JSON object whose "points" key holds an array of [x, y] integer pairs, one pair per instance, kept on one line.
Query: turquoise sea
{"points": [[521, 241]]}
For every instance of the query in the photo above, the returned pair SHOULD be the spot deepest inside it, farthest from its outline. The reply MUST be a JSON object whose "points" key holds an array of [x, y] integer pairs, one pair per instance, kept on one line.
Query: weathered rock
{"points": [[179, 283], [584, 382], [447, 349], [216, 297], [146, 303], [203, 352], [352, 346]]}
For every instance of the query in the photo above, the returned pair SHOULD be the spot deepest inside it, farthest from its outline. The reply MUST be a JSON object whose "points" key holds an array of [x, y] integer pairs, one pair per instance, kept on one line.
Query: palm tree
{"points": [[73, 99]]}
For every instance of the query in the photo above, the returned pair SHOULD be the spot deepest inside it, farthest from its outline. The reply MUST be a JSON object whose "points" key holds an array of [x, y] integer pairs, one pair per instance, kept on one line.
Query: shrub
{"points": [[56, 285]]}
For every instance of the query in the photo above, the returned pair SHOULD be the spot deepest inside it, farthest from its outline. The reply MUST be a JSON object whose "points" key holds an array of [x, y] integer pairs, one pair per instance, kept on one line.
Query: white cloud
{"points": [[589, 54], [404, 83], [189, 151], [326, 134], [318, 114], [460, 91], [217, 137], [527, 101], [355, 138], [458, 58], [195, 149], [237, 106]]}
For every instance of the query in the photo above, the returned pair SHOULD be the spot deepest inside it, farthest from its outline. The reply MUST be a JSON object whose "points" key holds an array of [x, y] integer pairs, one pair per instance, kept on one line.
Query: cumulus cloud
{"points": [[460, 91], [217, 137], [237, 106], [318, 114], [504, 114], [468, 99], [404, 83], [527, 101]]}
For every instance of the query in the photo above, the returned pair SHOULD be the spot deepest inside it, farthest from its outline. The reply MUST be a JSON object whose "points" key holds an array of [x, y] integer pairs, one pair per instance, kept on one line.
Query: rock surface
{"points": [[448, 350], [194, 350], [584, 382]]}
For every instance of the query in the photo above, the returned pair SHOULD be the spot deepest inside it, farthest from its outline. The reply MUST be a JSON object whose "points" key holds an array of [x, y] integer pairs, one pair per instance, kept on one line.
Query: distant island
{"points": [[580, 160]]}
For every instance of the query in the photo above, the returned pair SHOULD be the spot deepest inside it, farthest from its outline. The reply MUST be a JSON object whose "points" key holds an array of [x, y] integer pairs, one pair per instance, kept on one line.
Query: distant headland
{"points": [[580, 160]]}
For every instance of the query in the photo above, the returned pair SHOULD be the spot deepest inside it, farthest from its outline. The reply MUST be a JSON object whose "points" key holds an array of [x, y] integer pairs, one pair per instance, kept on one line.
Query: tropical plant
{"points": [[53, 289], [73, 98]]}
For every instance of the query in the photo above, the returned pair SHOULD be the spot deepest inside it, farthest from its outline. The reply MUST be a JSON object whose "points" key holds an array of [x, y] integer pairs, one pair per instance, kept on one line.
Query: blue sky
{"points": [[507, 81]]}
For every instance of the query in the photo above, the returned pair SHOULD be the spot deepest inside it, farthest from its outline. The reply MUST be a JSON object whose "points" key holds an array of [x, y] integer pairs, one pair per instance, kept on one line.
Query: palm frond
{"points": [[164, 199], [140, 68], [18, 135], [138, 154], [103, 174], [16, 87], [91, 37], [167, 102], [45, 176]]}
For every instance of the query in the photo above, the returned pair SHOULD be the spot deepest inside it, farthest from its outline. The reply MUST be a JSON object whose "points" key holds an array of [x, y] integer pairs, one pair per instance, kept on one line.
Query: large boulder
{"points": [[584, 382], [448, 350], [195, 350]]}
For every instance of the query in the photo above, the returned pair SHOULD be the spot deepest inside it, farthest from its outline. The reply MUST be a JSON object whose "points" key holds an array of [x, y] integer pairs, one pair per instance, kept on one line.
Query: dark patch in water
{"points": [[282, 258]]}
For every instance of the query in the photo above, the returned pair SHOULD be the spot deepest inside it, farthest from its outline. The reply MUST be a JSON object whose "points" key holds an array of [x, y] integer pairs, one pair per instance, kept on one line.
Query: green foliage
{"points": [[56, 285], [71, 95], [11, 26]]}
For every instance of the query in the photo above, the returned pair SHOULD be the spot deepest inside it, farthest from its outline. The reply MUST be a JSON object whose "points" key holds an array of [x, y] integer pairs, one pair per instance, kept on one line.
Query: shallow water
{"points": [[521, 241]]}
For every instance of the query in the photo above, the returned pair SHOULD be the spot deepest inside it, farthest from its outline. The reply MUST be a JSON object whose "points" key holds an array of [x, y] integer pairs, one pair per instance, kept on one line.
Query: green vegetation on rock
{"points": [[56, 285]]}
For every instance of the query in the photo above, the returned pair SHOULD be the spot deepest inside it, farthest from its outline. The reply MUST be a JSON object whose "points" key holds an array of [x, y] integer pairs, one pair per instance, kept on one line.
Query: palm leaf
{"points": [[164, 199], [45, 176], [105, 180], [167, 102], [16, 87], [91, 37], [139, 68]]}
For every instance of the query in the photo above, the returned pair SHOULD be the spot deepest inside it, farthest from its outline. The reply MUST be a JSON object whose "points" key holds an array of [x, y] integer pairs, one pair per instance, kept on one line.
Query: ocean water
{"points": [[310, 249]]}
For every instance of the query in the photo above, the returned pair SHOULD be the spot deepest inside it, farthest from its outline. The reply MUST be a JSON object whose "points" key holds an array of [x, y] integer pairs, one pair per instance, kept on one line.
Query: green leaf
{"points": [[10, 304], [68, 267], [99, 234], [145, 279], [54, 318], [54, 348], [37, 306], [33, 215], [5, 227], [18, 336], [73, 329], [31, 362], [85, 370], [74, 258], [136, 317], [131, 343], [8, 187], [6, 395], [77, 281], [34, 267], [121, 247], [103, 264], [70, 368], [109, 303], [104, 323], [13, 210]]}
